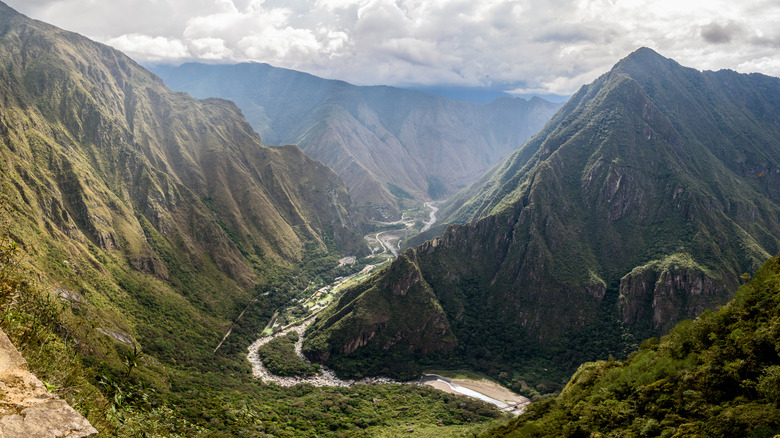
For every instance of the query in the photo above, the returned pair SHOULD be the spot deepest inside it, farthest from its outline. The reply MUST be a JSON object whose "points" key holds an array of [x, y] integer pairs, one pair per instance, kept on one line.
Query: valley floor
{"points": [[484, 390], [384, 242], [326, 377]]}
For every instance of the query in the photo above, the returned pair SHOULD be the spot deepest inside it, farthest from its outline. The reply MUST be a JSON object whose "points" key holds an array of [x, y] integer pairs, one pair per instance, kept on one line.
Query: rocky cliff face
{"points": [[27, 409], [640, 203], [723, 365], [372, 321], [389, 145], [662, 292]]}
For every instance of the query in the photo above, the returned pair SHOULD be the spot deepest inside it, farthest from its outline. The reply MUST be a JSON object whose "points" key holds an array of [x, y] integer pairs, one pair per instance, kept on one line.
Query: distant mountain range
{"points": [[641, 203], [390, 145]]}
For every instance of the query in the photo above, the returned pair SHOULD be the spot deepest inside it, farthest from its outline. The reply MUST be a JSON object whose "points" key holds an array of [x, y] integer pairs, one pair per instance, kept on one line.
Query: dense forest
{"points": [[715, 376]]}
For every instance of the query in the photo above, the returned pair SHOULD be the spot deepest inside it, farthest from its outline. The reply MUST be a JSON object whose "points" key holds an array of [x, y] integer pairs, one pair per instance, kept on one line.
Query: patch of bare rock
{"points": [[27, 409]]}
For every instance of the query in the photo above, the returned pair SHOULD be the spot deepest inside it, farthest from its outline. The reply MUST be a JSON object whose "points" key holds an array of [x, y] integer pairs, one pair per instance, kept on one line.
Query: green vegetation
{"points": [[279, 357], [716, 376], [154, 224], [141, 227], [116, 402], [378, 307], [636, 207], [212, 404], [399, 192]]}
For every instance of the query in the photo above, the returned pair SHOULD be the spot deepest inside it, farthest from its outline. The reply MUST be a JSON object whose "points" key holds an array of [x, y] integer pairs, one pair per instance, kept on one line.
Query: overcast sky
{"points": [[525, 46]]}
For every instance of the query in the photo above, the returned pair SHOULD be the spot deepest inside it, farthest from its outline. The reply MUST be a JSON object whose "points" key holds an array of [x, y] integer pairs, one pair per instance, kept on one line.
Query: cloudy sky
{"points": [[524, 46]]}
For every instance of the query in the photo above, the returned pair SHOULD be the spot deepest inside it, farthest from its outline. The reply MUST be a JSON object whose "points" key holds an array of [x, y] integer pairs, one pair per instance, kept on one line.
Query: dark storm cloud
{"points": [[715, 33]]}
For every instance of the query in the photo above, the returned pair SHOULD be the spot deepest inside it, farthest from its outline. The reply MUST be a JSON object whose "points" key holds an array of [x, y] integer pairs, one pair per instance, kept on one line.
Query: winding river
{"points": [[389, 241]]}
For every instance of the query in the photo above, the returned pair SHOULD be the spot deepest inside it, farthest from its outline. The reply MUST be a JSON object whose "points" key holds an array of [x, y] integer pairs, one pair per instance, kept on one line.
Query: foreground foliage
{"points": [[716, 376]]}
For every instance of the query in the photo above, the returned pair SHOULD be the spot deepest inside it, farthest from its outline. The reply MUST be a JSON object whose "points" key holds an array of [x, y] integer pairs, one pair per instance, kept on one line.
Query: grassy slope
{"points": [[163, 215]]}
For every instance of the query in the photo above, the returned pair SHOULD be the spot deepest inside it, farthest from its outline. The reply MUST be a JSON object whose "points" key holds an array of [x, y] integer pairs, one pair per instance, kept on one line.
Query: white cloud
{"points": [[151, 48], [210, 49], [768, 64], [549, 46], [332, 5]]}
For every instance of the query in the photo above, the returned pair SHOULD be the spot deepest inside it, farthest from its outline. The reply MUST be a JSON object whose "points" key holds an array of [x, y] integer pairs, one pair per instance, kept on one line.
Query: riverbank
{"points": [[484, 390], [386, 242], [326, 377]]}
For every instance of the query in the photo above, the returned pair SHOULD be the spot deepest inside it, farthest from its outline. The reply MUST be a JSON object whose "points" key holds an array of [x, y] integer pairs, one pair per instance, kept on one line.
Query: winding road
{"points": [[384, 242]]}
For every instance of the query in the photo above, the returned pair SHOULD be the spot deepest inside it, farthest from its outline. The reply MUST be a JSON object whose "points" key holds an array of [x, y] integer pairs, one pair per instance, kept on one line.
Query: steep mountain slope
{"points": [[717, 376], [155, 215], [388, 144], [640, 204]]}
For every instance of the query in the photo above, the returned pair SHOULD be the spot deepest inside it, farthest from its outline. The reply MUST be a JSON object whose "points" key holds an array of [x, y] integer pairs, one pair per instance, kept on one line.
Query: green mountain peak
{"points": [[639, 204]]}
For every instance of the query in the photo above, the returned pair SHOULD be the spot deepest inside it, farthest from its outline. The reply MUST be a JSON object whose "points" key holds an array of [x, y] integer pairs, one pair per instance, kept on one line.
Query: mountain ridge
{"points": [[620, 215], [390, 145], [716, 375]]}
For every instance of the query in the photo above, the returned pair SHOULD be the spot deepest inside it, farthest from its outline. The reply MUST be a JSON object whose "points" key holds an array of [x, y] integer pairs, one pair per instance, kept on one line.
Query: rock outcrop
{"points": [[27, 409], [659, 293], [376, 319]]}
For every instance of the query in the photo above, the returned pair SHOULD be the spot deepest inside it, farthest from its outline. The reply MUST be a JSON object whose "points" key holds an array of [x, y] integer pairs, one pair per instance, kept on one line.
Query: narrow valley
{"points": [[501, 397]]}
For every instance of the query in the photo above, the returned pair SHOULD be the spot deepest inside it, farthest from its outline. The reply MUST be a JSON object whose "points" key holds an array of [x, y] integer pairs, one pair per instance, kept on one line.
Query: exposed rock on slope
{"points": [[641, 203], [717, 376], [388, 144], [373, 321], [26, 407]]}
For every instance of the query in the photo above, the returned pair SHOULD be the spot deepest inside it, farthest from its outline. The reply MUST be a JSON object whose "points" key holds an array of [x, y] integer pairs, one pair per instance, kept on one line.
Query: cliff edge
{"points": [[26, 407]]}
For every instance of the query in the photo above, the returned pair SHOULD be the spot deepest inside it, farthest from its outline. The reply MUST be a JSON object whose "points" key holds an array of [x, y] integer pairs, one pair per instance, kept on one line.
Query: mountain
{"points": [[157, 217], [146, 238], [390, 145], [717, 376], [641, 203]]}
